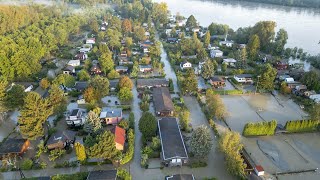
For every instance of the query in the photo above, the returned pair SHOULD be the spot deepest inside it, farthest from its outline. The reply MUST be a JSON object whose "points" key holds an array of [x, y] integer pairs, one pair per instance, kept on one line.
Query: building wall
{"points": [[119, 146]]}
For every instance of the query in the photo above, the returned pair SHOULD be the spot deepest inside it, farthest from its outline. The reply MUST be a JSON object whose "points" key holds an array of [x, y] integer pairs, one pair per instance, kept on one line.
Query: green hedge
{"points": [[302, 126], [229, 92], [130, 151], [260, 129]]}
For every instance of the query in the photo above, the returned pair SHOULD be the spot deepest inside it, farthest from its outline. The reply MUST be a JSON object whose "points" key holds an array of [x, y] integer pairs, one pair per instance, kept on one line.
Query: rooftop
{"points": [[181, 177], [12, 146], [171, 139], [162, 99], [61, 136], [120, 135], [102, 175], [244, 75], [80, 86], [152, 82], [108, 112]]}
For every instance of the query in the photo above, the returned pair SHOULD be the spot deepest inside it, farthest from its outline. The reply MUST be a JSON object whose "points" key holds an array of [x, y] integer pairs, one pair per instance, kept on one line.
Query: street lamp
{"points": [[257, 85]]}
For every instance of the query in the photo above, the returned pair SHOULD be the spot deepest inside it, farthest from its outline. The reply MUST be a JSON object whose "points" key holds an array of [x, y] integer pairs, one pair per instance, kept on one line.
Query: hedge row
{"points": [[229, 92], [130, 151], [302, 126], [260, 129]]}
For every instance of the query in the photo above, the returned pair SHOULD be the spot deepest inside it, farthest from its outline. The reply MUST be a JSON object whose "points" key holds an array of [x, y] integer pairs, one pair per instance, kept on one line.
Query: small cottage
{"points": [[14, 147], [119, 137], [61, 140], [91, 41], [69, 70], [145, 68], [243, 78], [74, 63], [110, 115], [217, 82], [185, 65], [230, 62], [216, 53]]}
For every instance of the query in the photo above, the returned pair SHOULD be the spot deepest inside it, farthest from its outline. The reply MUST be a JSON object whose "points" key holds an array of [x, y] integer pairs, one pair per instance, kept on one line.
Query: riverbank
{"points": [[290, 3]]}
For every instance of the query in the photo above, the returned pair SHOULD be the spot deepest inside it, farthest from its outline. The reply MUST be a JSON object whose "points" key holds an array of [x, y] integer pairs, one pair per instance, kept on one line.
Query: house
{"points": [[174, 152], [289, 79], [84, 49], [146, 50], [202, 87], [315, 98], [103, 28], [81, 56], [211, 47], [258, 169], [122, 69], [69, 70], [185, 65], [14, 147], [145, 25], [162, 101], [172, 40], [189, 57], [123, 54], [145, 68], [196, 29], [282, 65], [81, 86], [61, 140], [75, 117], [293, 84], [226, 43], [283, 77], [102, 175], [110, 115], [113, 84], [180, 177], [91, 41], [81, 100], [95, 69], [168, 32], [119, 137], [242, 46], [151, 83], [124, 60], [147, 34], [74, 63], [146, 43], [28, 86], [230, 62], [243, 78], [217, 82], [216, 53]]}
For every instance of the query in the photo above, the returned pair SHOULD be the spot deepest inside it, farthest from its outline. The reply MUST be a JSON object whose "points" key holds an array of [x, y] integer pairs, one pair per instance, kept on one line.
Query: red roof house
{"points": [[119, 137]]}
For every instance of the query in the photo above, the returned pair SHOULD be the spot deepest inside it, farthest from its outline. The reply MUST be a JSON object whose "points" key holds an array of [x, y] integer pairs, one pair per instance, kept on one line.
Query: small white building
{"points": [[216, 53], [81, 100], [91, 41], [230, 61], [243, 78], [185, 65], [74, 63], [168, 31], [226, 43], [289, 79], [196, 29], [259, 170], [84, 50]]}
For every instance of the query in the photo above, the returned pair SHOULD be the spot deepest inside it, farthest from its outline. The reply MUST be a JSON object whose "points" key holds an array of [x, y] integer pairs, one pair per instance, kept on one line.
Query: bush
{"points": [[229, 92], [74, 93], [122, 174], [171, 87], [302, 126], [57, 153], [260, 129], [27, 164], [76, 176], [130, 151], [131, 120], [156, 143], [198, 164]]}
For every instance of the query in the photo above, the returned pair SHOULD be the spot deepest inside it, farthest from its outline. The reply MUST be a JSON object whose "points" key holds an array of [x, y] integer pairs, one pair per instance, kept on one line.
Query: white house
{"points": [[91, 41], [147, 34], [259, 170], [230, 61], [289, 79], [168, 31], [75, 117], [196, 29], [74, 63], [216, 53], [226, 43], [211, 47], [103, 28], [243, 78], [81, 100], [146, 50], [84, 50], [181, 23], [185, 65]]}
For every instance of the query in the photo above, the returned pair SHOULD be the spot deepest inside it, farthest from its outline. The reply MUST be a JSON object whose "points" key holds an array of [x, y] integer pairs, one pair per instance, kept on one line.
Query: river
{"points": [[302, 24]]}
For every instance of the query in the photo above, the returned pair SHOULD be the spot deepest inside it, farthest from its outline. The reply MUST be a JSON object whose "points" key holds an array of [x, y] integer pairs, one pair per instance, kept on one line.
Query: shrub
{"points": [[302, 126], [27, 164], [260, 128], [131, 120], [198, 164], [229, 92], [156, 143], [57, 153], [130, 151], [80, 151], [122, 174], [171, 87], [76, 176], [124, 124]]}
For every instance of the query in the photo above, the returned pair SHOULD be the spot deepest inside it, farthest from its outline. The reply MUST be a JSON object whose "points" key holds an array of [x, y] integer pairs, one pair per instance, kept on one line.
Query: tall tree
{"points": [[266, 32], [253, 47], [191, 22], [312, 80], [64, 79], [125, 94], [267, 77], [215, 105], [201, 142], [14, 97], [93, 123], [135, 69], [106, 62], [90, 96], [190, 82], [139, 33], [207, 39], [184, 120], [125, 81], [3, 87], [280, 41], [83, 75], [126, 26], [148, 125], [207, 70], [33, 114], [57, 99], [104, 147], [44, 83], [100, 86]]}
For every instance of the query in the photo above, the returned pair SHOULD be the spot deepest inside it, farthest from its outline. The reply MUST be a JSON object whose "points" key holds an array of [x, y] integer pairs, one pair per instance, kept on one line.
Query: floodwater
{"points": [[302, 24]]}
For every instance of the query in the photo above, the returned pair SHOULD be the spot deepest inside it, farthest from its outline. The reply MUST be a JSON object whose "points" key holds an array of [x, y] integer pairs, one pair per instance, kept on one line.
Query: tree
{"points": [[215, 105], [93, 123], [44, 83], [125, 81], [148, 125], [57, 99], [135, 69], [64, 79], [201, 142], [105, 61], [266, 32], [191, 22], [90, 95], [56, 153], [207, 39], [267, 77], [160, 12], [32, 116], [231, 146], [125, 94], [284, 89], [190, 82], [207, 70], [202, 54], [253, 47], [80, 151], [242, 57], [126, 26], [83, 75], [104, 147], [129, 41], [94, 25], [139, 33], [184, 119], [14, 97], [280, 42], [113, 74], [100, 86], [315, 112], [3, 87], [311, 80], [114, 38], [224, 67]]}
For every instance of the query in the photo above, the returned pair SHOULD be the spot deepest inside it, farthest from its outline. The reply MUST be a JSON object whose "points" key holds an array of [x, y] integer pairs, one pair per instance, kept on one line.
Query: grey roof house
{"points": [[162, 102], [61, 139], [102, 175], [110, 115], [150, 83]]}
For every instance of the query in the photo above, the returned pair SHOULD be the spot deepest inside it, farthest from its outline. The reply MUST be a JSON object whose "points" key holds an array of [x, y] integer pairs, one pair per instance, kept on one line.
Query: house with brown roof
{"points": [[217, 82], [13, 147], [152, 83], [119, 137], [60, 140], [162, 101], [111, 115], [69, 70], [95, 69], [81, 56]]}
